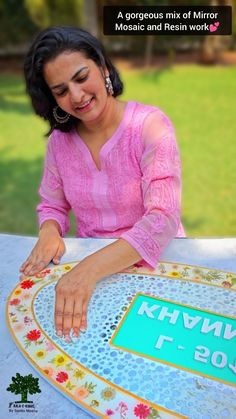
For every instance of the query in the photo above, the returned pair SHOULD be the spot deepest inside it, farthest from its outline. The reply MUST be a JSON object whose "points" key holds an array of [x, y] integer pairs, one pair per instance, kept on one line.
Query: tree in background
{"points": [[90, 16], [21, 19], [16, 24], [212, 46], [55, 12], [150, 39]]}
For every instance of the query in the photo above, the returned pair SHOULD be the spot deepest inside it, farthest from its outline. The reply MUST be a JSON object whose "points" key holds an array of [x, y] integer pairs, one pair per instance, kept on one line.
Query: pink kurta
{"points": [[136, 195]]}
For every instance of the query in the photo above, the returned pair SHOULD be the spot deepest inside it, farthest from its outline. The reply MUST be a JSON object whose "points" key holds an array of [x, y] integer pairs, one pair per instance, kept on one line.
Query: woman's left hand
{"points": [[74, 289], [73, 292]]}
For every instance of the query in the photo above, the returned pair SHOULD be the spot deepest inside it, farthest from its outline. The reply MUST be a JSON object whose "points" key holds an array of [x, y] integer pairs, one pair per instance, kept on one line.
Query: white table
{"points": [[213, 253]]}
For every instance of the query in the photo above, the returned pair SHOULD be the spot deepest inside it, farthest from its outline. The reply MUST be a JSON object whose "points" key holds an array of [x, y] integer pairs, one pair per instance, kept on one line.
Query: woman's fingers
{"points": [[59, 310], [77, 316], [73, 292], [29, 261], [23, 266], [70, 314], [35, 267], [26, 266], [83, 324], [37, 261], [68, 317], [48, 247]]}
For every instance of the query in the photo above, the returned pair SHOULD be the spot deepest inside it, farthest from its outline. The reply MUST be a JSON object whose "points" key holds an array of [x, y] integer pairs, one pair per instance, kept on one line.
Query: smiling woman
{"points": [[77, 84], [46, 50], [115, 164]]}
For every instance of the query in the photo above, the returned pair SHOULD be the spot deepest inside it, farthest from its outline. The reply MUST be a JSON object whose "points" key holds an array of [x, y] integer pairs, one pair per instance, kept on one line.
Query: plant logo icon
{"points": [[23, 385]]}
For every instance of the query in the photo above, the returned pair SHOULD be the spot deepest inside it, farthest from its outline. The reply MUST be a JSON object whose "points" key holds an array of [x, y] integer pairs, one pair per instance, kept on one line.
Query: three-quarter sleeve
{"points": [[161, 189], [53, 205]]}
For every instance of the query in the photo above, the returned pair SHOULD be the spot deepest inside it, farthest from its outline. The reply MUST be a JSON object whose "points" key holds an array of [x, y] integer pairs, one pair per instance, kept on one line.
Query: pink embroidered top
{"points": [[135, 196]]}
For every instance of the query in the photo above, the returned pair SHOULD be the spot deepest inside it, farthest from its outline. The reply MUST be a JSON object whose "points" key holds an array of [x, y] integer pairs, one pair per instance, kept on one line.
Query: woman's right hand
{"points": [[49, 247]]}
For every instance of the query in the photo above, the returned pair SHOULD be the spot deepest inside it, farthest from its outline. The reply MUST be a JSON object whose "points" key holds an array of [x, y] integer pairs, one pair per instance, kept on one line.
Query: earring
{"points": [[58, 118], [108, 85]]}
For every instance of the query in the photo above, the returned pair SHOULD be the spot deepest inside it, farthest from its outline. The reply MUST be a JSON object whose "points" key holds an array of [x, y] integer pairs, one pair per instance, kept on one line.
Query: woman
{"points": [[115, 164]]}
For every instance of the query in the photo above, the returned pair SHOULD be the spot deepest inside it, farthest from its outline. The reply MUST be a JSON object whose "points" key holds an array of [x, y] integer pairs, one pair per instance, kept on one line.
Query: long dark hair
{"points": [[48, 45]]}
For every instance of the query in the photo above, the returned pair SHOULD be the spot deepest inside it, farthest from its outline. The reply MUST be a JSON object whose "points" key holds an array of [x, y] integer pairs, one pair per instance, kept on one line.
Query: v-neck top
{"points": [[135, 196], [107, 146]]}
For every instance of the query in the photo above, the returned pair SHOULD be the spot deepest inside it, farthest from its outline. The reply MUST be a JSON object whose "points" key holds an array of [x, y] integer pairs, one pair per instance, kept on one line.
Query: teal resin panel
{"points": [[183, 336]]}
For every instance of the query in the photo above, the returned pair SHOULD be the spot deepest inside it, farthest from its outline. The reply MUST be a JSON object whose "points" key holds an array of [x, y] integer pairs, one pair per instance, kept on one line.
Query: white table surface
{"points": [[219, 253]]}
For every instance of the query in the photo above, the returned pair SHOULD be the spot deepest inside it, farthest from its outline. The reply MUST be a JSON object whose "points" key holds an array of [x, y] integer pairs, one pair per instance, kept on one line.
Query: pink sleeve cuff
{"points": [[150, 259], [64, 226]]}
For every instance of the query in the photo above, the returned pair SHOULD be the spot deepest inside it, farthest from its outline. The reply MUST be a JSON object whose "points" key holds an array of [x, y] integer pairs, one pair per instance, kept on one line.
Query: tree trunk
{"points": [[24, 396], [212, 46], [90, 17], [149, 50]]}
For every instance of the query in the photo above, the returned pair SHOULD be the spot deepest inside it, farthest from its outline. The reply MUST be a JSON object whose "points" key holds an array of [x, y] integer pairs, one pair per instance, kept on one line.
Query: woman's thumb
{"points": [[58, 255]]}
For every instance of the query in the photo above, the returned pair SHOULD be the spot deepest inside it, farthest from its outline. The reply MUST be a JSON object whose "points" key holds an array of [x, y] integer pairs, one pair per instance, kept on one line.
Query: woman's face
{"points": [[77, 85]]}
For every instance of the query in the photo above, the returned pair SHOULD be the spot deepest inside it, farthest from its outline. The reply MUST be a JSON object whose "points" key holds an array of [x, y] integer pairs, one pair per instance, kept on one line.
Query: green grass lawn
{"points": [[201, 103]]}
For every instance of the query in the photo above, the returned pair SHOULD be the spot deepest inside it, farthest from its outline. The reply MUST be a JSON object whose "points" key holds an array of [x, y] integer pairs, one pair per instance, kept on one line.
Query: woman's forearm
{"points": [[111, 259]]}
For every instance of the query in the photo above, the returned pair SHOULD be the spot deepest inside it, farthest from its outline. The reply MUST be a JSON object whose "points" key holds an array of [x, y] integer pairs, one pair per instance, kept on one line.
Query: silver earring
{"points": [[108, 85], [58, 118]]}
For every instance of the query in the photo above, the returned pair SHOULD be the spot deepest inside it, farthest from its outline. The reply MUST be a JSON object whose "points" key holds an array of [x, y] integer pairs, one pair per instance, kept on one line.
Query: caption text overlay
{"points": [[167, 20]]}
